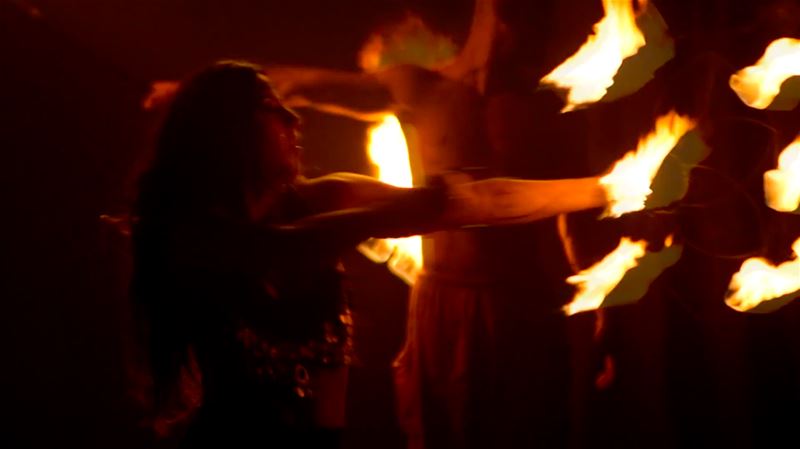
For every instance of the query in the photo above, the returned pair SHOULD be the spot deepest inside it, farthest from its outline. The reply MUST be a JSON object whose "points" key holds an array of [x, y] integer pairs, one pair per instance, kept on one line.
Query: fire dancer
{"points": [[485, 363], [236, 268]]}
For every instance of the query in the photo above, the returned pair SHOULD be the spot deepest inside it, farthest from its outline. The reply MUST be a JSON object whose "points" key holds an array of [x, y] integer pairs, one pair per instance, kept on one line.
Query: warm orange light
{"points": [[589, 73], [758, 85], [782, 185], [408, 41], [758, 281], [597, 281], [628, 184], [388, 151], [160, 92]]}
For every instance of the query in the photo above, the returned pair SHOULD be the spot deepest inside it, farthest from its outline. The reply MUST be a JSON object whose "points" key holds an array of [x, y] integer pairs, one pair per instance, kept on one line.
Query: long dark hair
{"points": [[210, 149], [209, 155]]}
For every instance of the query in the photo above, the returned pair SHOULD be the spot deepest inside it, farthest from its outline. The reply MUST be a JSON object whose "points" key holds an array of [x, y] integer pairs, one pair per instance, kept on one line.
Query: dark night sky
{"points": [[162, 38]]}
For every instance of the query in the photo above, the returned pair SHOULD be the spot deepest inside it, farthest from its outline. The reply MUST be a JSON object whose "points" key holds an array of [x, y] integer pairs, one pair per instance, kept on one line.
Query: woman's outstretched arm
{"points": [[508, 201], [357, 95], [368, 208], [366, 96], [394, 212]]}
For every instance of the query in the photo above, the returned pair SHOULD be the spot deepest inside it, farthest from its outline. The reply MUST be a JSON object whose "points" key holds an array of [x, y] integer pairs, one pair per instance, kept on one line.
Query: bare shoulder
{"points": [[341, 190], [325, 192]]}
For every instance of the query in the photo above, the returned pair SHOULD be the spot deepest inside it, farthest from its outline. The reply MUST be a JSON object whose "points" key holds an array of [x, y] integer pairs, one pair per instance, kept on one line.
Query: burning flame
{"points": [[597, 281], [408, 41], [589, 73], [758, 85], [628, 184], [782, 185], [758, 281], [388, 151]]}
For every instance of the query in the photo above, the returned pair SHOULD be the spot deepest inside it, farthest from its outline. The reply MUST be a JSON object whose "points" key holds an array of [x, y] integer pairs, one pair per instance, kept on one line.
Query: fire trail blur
{"points": [[683, 360], [388, 152]]}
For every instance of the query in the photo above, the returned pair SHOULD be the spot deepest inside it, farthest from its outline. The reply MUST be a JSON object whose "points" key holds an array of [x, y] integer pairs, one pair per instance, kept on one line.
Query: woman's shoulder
{"points": [[336, 190]]}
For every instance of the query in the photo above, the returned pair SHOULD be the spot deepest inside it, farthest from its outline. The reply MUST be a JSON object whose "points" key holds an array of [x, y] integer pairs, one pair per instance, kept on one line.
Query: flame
{"points": [[408, 41], [589, 73], [388, 151], [782, 185], [597, 281], [628, 184], [758, 281], [758, 85]]}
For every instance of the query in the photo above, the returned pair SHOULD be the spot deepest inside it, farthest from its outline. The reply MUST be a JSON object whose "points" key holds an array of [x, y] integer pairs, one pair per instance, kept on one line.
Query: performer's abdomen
{"points": [[454, 252]]}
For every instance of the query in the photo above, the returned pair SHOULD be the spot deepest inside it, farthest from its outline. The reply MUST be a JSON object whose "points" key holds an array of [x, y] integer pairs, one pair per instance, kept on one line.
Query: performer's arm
{"points": [[344, 190], [378, 210], [357, 95], [509, 201], [349, 208]]}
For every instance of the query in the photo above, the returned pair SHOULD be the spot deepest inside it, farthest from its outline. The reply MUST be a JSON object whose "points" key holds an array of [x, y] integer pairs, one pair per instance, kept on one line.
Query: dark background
{"points": [[72, 77]]}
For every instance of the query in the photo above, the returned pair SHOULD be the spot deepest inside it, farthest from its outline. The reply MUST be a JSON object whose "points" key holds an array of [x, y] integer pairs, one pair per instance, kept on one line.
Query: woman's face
{"points": [[280, 139]]}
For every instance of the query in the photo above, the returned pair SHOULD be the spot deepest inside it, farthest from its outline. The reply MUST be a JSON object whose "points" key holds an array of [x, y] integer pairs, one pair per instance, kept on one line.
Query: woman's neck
{"points": [[261, 206]]}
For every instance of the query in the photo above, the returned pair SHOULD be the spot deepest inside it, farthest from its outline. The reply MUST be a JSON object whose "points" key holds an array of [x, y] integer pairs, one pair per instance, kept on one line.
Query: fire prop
{"points": [[629, 182], [622, 277], [782, 185], [388, 151], [759, 85], [589, 73], [761, 287], [597, 281], [409, 41]]}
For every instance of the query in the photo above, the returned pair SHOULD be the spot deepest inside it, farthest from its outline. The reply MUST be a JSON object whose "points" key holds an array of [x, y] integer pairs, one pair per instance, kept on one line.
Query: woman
{"points": [[236, 265]]}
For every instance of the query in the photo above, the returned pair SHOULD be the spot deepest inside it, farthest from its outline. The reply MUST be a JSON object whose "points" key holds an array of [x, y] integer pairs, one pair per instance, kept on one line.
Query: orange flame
{"points": [[589, 73], [409, 41], [388, 151], [758, 281], [758, 85], [597, 281], [628, 184], [782, 185]]}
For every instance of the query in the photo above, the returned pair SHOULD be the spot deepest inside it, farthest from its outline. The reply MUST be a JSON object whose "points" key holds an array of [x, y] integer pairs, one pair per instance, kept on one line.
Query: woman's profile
{"points": [[236, 259]]}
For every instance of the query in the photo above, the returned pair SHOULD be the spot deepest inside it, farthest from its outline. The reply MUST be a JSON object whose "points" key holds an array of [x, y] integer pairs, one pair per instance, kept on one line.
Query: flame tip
{"points": [[597, 281], [628, 183], [758, 85], [589, 72], [759, 281]]}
